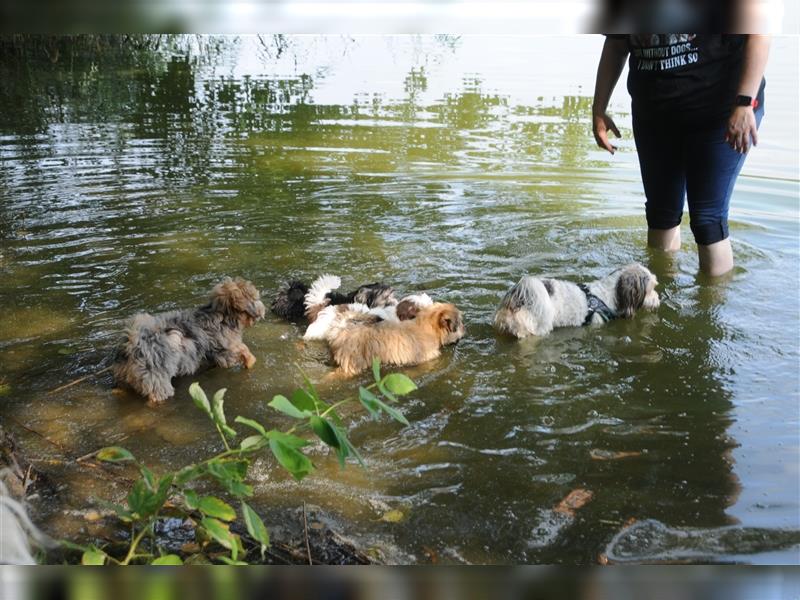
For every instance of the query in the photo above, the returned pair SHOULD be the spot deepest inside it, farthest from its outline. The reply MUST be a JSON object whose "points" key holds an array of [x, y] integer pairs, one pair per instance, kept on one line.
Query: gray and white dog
{"points": [[536, 306], [159, 347]]}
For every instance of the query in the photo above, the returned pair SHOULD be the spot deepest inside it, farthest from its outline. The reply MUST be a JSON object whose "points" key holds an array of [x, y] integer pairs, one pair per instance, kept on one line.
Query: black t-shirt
{"points": [[684, 76]]}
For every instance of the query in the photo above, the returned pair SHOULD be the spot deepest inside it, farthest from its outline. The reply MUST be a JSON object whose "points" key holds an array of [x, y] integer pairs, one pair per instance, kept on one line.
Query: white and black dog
{"points": [[294, 298], [536, 306], [322, 312]]}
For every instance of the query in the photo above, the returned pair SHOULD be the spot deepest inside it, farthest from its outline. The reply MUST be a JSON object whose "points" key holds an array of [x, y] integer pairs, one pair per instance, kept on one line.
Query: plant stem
{"points": [[135, 542], [222, 435]]}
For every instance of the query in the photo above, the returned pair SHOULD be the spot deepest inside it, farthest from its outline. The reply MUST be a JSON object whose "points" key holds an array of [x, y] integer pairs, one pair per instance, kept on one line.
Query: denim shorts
{"points": [[679, 161]]}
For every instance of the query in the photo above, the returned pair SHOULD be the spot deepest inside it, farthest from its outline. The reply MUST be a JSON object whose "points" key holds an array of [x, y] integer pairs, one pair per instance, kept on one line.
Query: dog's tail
{"points": [[343, 317], [321, 287], [289, 302], [525, 309]]}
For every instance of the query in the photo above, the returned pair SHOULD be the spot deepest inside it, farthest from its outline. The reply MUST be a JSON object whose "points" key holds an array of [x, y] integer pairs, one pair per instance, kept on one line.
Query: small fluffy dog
{"points": [[377, 301], [293, 298], [159, 347], [355, 337], [535, 306]]}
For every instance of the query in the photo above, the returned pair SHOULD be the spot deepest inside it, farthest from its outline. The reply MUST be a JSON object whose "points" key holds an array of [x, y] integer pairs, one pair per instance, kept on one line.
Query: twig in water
{"points": [[41, 435], [305, 530], [77, 381]]}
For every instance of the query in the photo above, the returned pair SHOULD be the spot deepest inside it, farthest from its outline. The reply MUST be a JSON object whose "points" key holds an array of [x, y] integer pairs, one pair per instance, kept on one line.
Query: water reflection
{"points": [[134, 180]]}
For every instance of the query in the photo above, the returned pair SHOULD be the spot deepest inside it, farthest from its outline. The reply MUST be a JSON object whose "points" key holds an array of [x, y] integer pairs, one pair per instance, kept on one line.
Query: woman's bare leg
{"points": [[716, 259], [664, 239]]}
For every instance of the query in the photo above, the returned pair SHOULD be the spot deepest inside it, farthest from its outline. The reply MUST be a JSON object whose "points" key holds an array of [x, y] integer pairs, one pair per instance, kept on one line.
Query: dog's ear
{"points": [[631, 291], [449, 320], [406, 310]]}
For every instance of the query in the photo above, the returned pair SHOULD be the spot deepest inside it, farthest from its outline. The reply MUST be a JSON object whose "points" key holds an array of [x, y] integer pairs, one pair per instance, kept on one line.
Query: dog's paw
{"points": [[154, 401], [248, 360]]}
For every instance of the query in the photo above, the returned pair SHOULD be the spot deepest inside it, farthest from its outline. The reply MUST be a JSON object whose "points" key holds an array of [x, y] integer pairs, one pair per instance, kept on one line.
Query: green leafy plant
{"points": [[152, 497]]}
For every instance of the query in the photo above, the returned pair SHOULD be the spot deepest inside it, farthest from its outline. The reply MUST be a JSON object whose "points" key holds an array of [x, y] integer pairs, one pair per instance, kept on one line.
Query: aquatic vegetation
{"points": [[153, 498]]}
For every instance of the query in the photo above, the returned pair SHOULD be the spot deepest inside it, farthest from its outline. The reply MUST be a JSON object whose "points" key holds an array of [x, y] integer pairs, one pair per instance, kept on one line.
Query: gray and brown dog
{"points": [[159, 347]]}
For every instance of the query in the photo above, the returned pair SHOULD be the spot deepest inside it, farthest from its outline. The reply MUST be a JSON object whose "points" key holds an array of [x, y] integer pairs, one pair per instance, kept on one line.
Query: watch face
{"points": [[743, 100]]}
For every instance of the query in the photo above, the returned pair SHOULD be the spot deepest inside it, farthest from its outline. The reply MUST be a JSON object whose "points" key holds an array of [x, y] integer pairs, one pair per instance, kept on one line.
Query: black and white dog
{"points": [[536, 306], [297, 299]]}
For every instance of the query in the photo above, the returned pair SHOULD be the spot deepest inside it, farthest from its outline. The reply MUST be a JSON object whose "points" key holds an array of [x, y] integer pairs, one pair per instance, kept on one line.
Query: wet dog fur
{"points": [[355, 338], [291, 302], [536, 306], [157, 348]]}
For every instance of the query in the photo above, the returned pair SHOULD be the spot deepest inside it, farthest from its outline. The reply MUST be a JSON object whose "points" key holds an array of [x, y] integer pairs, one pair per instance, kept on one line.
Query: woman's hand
{"points": [[601, 125], [741, 129]]}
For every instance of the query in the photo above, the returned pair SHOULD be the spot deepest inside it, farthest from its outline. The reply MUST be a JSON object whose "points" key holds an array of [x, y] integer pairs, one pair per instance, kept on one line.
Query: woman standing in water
{"points": [[697, 102]]}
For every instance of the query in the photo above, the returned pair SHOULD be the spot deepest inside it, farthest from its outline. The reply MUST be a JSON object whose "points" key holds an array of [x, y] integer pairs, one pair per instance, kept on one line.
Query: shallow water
{"points": [[447, 165]]}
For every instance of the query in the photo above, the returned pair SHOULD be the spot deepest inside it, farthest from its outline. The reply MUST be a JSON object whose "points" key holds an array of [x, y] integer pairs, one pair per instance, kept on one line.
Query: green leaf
{"points": [[386, 393], [290, 459], [305, 401], [164, 485], [233, 563], [191, 498], [231, 468], [114, 454], [220, 533], [324, 431], [255, 527], [93, 557], [214, 507], [122, 513], [287, 439], [376, 369], [149, 477], [5, 389], [168, 559], [217, 406], [333, 436], [200, 398], [239, 489], [392, 412], [141, 499], [351, 449], [251, 423], [282, 404], [189, 473], [392, 516], [253, 442], [399, 384], [230, 474], [145, 501], [369, 401], [312, 391]]}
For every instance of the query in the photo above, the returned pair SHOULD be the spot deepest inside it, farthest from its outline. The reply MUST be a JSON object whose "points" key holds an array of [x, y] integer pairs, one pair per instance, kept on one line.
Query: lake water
{"points": [[134, 181]]}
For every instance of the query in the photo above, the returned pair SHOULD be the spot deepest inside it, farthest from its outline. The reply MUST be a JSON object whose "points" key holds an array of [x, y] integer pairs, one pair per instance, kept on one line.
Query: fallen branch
{"points": [[77, 381], [305, 531]]}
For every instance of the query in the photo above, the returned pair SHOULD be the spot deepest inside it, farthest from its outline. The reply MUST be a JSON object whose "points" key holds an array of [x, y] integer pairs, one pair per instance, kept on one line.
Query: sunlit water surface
{"points": [[449, 165]]}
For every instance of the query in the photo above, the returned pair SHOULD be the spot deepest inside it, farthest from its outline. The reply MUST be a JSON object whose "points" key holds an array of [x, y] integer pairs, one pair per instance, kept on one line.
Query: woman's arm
{"points": [[742, 122], [612, 61]]}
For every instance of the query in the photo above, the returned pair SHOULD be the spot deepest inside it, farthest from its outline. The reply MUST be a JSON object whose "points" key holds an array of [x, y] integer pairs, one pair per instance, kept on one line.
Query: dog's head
{"points": [[409, 306], [239, 299], [445, 320], [374, 295], [635, 289]]}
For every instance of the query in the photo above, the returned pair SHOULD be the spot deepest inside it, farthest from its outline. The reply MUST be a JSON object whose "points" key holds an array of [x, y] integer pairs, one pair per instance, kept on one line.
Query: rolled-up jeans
{"points": [[679, 161]]}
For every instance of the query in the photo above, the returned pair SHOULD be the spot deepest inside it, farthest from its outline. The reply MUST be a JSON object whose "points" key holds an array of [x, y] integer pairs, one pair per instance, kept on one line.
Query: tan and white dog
{"points": [[355, 337]]}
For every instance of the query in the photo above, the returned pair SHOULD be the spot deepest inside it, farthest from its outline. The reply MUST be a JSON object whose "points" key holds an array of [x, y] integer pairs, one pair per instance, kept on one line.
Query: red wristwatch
{"points": [[746, 101]]}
